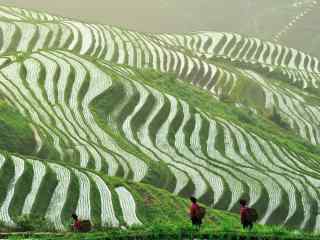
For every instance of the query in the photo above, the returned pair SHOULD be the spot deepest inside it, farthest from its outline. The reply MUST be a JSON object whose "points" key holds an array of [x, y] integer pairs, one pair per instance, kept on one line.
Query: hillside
{"points": [[90, 113]]}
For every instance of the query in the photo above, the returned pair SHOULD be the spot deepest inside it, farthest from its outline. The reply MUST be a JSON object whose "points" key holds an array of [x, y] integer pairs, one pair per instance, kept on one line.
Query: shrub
{"points": [[225, 98], [97, 226], [27, 223], [246, 117]]}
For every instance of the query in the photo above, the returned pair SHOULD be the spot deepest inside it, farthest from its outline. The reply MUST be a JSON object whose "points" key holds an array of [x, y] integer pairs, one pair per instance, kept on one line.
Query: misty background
{"points": [[294, 23]]}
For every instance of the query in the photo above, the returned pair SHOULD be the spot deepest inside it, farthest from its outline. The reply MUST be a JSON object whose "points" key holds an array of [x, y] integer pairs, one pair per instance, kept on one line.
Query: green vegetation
{"points": [[16, 134], [172, 231]]}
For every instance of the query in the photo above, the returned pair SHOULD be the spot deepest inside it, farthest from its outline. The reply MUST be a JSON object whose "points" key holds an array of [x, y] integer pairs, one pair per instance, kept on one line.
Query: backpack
{"points": [[201, 212], [252, 215]]}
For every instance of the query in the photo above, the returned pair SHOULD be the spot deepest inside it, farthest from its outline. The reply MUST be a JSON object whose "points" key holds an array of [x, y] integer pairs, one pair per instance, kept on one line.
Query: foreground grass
{"points": [[175, 231]]}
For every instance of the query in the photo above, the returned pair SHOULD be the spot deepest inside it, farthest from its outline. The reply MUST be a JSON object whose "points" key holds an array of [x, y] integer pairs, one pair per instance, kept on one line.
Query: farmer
{"points": [[77, 223], [245, 215], [194, 213], [81, 225]]}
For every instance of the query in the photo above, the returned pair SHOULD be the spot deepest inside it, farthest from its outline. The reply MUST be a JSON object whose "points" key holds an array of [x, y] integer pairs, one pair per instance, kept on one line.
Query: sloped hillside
{"points": [[98, 101], [54, 190]]}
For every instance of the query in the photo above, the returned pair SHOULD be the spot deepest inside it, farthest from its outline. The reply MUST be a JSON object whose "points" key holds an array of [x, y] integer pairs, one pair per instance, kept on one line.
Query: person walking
{"points": [[194, 212], [245, 218]]}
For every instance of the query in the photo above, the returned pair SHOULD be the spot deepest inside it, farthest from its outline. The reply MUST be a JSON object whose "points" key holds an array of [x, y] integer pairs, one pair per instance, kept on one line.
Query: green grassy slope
{"points": [[16, 133]]}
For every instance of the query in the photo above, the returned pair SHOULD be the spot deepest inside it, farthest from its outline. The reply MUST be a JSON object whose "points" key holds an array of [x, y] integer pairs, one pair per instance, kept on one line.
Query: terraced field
{"points": [[290, 65], [29, 179], [99, 104]]}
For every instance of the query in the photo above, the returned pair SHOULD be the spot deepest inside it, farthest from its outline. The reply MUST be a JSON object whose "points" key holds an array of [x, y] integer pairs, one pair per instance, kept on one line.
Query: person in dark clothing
{"points": [[81, 225], [77, 224], [244, 215], [194, 213]]}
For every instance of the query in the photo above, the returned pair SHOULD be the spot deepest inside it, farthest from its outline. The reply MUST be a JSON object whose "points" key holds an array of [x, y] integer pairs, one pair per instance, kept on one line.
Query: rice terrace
{"points": [[121, 127]]}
